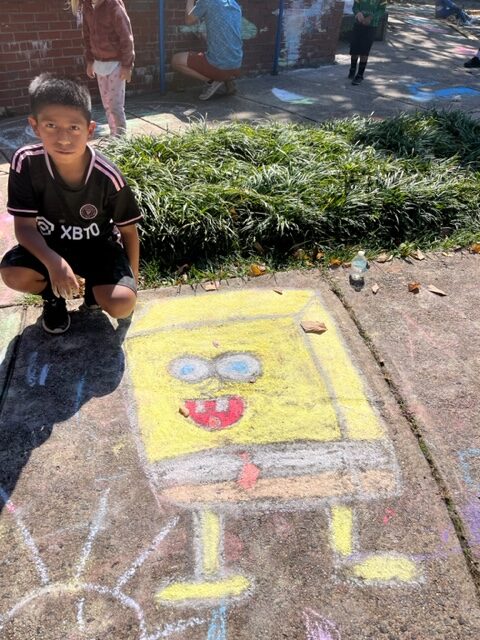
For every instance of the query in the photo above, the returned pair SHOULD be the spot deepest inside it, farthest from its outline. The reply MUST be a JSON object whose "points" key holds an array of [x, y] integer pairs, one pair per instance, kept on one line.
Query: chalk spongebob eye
{"points": [[190, 369], [239, 367]]}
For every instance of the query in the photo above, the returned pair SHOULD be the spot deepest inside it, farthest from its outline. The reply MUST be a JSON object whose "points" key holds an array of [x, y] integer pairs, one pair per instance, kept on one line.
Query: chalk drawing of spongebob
{"points": [[272, 418]]}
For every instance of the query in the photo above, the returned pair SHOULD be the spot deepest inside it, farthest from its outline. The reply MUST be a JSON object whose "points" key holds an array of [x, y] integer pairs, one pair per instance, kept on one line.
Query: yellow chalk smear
{"points": [[229, 587], [210, 541], [384, 568], [361, 421], [342, 526], [219, 307]]}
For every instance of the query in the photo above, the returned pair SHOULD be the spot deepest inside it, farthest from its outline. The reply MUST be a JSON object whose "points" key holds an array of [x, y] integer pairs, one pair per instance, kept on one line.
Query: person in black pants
{"points": [[368, 14]]}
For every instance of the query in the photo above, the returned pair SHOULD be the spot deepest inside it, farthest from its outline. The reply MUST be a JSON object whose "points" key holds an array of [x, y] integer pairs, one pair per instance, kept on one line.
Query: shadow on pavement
{"points": [[48, 380]]}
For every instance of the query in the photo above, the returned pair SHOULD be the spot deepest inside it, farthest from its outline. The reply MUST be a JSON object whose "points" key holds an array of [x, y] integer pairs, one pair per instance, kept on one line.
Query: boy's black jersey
{"points": [[65, 214]]}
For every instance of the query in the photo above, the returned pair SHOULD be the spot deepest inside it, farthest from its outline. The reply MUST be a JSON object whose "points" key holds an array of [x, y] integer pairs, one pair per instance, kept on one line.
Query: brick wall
{"points": [[43, 36]]}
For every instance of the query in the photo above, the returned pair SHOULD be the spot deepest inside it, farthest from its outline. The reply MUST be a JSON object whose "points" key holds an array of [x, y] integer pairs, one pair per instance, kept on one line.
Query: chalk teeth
{"points": [[221, 404]]}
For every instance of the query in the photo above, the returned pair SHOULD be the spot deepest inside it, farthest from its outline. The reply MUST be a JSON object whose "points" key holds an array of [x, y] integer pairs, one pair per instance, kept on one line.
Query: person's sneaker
{"points": [[474, 63], [230, 87], [55, 318], [89, 301], [209, 89], [358, 79]]}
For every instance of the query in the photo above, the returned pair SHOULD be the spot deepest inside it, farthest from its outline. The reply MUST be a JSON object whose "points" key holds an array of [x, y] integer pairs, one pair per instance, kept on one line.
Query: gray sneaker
{"points": [[230, 87], [209, 89]]}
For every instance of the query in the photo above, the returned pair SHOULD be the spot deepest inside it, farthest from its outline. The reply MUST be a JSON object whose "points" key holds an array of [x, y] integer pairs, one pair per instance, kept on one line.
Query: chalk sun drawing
{"points": [[76, 598], [301, 433]]}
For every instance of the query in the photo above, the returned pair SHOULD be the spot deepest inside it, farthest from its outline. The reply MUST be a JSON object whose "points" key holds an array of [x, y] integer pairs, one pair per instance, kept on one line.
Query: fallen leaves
{"points": [[256, 270], [313, 326], [183, 411], [475, 248], [418, 255], [334, 263], [414, 287], [434, 289], [384, 257], [375, 287], [211, 286]]}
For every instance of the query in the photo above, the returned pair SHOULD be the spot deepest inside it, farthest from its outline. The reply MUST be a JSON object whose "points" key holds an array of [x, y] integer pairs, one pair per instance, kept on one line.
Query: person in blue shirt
{"points": [[220, 64], [445, 8]]}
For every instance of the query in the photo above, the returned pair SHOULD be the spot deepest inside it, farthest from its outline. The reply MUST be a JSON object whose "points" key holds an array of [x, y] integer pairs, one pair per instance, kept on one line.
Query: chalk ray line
{"points": [[81, 614], [94, 528], [28, 539], [128, 575]]}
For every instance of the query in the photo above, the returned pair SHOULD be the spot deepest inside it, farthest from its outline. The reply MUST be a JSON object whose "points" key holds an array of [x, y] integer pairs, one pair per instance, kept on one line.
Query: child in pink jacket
{"points": [[109, 53]]}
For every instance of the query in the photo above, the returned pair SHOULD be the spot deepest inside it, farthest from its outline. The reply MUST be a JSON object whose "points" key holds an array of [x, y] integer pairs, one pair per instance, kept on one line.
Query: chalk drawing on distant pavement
{"points": [[426, 91], [292, 98]]}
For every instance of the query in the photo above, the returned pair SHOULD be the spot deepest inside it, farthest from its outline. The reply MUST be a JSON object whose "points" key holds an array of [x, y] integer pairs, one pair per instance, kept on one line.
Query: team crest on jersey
{"points": [[45, 226], [88, 211]]}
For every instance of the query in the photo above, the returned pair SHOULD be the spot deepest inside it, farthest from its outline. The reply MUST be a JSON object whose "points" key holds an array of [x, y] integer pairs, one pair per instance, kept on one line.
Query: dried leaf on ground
{"points": [[418, 255], [334, 262], [375, 287], [257, 270], [384, 257], [414, 287], [313, 326], [475, 248], [434, 289], [184, 411], [210, 286], [300, 254], [319, 255]]}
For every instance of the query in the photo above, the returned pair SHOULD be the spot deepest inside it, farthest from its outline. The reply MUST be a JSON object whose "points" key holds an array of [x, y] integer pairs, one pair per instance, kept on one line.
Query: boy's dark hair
{"points": [[47, 89]]}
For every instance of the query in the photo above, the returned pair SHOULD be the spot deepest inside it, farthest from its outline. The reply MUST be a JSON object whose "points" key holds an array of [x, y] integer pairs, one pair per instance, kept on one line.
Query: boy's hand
{"points": [[63, 280], [360, 18]]}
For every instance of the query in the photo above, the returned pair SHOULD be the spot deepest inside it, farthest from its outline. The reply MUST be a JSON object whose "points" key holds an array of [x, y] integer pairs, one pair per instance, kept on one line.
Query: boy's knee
{"points": [[120, 307], [22, 279]]}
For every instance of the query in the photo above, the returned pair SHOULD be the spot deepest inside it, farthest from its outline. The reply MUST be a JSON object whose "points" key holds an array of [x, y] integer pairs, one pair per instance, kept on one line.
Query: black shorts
{"points": [[99, 262], [362, 39]]}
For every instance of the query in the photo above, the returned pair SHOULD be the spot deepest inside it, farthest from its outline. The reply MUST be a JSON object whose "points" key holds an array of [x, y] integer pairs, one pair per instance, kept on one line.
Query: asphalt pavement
{"points": [[211, 468]]}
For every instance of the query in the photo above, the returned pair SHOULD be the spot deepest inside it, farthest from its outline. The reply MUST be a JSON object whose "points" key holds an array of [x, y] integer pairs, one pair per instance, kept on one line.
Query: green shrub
{"points": [[210, 193]]}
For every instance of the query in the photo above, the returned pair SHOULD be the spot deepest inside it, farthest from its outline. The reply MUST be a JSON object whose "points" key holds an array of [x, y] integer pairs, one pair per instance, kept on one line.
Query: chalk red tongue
{"points": [[210, 418]]}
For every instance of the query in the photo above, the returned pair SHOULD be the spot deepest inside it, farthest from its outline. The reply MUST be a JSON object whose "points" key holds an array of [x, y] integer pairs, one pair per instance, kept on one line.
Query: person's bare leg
{"points": [[117, 300], [179, 63], [23, 279]]}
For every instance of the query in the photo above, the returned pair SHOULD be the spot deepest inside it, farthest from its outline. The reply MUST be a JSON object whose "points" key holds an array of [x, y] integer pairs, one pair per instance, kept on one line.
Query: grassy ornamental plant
{"points": [[211, 196]]}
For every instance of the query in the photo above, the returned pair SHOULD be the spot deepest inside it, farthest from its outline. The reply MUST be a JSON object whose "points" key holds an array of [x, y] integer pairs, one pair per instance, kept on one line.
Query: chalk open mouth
{"points": [[216, 414]]}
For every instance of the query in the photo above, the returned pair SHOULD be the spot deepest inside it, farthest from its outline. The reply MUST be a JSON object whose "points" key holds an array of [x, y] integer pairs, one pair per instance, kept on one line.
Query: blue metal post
{"points": [[161, 45], [278, 38]]}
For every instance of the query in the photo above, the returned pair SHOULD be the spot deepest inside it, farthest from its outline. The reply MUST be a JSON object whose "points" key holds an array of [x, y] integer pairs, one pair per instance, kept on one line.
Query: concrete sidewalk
{"points": [[212, 471]]}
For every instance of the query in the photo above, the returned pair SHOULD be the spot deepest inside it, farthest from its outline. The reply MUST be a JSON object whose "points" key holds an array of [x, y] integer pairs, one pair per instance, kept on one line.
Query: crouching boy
{"points": [[73, 212]]}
